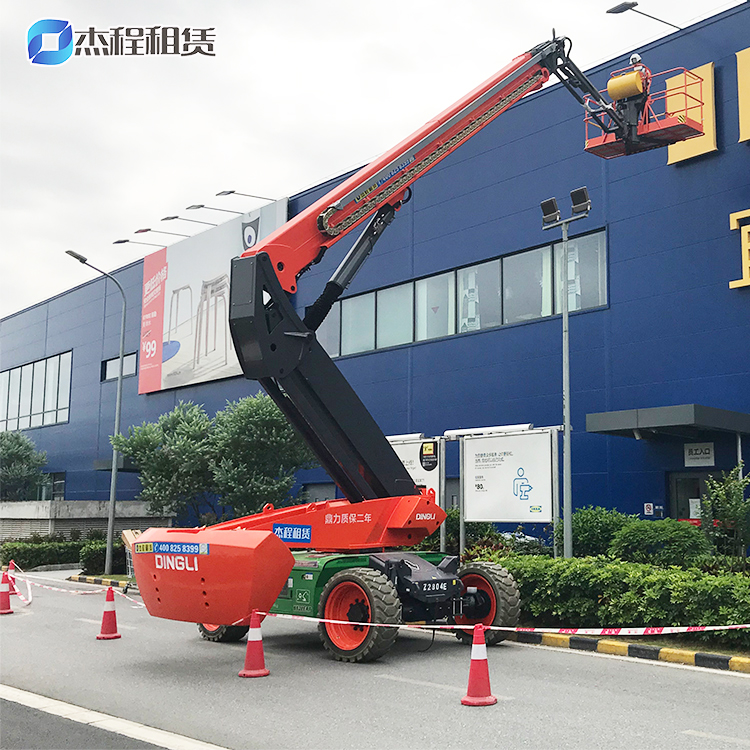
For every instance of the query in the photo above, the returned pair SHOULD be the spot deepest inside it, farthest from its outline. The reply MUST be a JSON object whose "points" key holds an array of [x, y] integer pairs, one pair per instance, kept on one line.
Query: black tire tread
{"points": [[508, 600], [224, 634], [385, 608]]}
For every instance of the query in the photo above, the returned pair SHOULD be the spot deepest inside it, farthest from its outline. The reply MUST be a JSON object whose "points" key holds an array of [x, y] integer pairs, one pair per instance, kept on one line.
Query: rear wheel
{"points": [[498, 601], [222, 633], [358, 595]]}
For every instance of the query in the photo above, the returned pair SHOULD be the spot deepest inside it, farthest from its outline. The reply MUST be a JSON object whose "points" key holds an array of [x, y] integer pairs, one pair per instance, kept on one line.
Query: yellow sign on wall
{"points": [[735, 223], [702, 144], [743, 92]]}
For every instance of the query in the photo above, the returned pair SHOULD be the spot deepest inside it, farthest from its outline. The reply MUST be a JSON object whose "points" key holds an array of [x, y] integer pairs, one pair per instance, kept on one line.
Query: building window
{"points": [[36, 394], [395, 316], [587, 273], [358, 324], [479, 297], [53, 487], [527, 285], [436, 306], [111, 367], [329, 331]]}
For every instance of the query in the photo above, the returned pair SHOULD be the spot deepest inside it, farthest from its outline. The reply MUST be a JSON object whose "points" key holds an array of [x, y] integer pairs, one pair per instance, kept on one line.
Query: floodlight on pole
{"points": [[211, 208], [118, 408], [159, 231], [134, 242], [581, 205], [182, 218], [246, 195], [622, 7]]}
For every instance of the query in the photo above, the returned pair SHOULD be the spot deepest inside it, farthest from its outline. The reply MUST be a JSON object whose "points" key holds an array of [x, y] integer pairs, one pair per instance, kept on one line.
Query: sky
{"points": [[295, 92]]}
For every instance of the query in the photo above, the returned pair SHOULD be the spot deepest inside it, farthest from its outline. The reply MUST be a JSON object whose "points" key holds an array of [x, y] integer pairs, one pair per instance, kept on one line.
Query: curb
{"points": [[105, 582], [637, 650]]}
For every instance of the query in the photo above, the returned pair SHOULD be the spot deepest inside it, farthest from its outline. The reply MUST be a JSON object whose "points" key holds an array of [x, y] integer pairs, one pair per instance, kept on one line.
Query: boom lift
{"points": [[331, 558]]}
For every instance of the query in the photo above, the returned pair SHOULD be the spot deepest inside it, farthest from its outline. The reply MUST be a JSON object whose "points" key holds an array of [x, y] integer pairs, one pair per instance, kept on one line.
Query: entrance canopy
{"points": [[686, 421]]}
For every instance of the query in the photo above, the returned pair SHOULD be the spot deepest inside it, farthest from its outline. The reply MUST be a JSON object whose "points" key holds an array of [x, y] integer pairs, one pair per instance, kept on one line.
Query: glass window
{"points": [[4, 378], [112, 368], [14, 389], [358, 324], [436, 306], [395, 319], [37, 390], [51, 384], [527, 285], [587, 272], [24, 402], [479, 297], [329, 332], [63, 388]]}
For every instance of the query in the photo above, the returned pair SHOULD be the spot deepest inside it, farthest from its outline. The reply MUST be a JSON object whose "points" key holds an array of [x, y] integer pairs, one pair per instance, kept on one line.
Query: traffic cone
{"points": [[5, 596], [12, 578], [255, 665], [109, 619], [479, 693]]}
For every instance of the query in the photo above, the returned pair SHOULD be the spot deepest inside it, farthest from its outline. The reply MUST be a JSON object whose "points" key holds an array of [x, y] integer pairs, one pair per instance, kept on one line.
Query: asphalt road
{"points": [[161, 674]]}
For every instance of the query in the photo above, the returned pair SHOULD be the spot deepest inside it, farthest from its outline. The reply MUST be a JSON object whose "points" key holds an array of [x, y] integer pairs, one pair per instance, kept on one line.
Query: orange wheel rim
{"points": [[210, 628], [481, 584], [348, 601]]}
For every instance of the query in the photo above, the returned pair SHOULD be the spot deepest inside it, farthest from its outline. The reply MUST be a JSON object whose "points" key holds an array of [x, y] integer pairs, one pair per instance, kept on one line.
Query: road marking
{"points": [[632, 659], [99, 622], [158, 737], [719, 737], [439, 685]]}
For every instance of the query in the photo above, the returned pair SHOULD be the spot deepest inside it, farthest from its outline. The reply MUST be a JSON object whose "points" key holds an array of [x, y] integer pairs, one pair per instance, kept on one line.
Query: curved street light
{"points": [[246, 195], [182, 218], [226, 210], [118, 408]]}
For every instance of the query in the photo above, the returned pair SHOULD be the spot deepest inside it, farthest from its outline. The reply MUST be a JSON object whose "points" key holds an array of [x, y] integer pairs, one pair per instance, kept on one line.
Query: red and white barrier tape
{"points": [[30, 583], [562, 631]]}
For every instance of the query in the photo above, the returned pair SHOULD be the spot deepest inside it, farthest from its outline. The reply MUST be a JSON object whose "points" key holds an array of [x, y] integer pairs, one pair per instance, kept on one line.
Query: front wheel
{"points": [[222, 633], [358, 595], [497, 601]]}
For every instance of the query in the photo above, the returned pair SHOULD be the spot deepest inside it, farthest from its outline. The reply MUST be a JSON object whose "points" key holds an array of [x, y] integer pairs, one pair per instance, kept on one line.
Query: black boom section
{"points": [[275, 348]]}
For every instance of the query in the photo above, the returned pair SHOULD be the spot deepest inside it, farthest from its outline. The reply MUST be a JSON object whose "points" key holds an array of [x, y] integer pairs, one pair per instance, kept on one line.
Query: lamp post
{"points": [[134, 242], [159, 231], [246, 195], [182, 218], [118, 407], [622, 7], [211, 208], [550, 219]]}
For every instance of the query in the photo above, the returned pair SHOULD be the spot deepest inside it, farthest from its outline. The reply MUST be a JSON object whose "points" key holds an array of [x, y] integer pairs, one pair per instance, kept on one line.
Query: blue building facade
{"points": [[454, 320]]}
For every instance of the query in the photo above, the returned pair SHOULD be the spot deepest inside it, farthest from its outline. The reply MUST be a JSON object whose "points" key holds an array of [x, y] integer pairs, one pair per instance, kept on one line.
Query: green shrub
{"points": [[593, 530], [93, 557], [600, 592], [664, 542], [32, 554], [483, 534]]}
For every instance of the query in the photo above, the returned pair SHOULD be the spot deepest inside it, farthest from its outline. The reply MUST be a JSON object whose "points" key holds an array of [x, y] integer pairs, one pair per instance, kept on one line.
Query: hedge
{"points": [[93, 557], [599, 592], [29, 555]]}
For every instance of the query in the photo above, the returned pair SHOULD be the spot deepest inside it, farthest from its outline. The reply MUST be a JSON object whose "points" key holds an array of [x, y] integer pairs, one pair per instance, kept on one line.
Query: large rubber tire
{"points": [[500, 593], [358, 595], [222, 633]]}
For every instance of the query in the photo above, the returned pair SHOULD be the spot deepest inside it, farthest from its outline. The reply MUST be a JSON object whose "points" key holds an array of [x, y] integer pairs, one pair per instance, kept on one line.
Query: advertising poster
{"points": [[508, 478], [421, 458], [185, 335]]}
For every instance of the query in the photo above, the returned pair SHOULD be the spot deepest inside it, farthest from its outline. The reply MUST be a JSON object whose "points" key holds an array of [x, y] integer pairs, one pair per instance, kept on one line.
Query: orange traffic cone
{"points": [[255, 665], [5, 596], [12, 578], [109, 619], [479, 693]]}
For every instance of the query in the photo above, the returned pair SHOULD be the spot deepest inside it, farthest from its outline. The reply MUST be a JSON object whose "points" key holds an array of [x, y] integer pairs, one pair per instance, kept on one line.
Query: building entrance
{"points": [[685, 492]]}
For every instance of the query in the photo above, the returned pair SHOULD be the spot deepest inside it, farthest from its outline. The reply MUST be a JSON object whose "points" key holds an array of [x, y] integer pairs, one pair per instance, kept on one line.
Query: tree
{"points": [[20, 467], [256, 453], [243, 458], [725, 512], [173, 456]]}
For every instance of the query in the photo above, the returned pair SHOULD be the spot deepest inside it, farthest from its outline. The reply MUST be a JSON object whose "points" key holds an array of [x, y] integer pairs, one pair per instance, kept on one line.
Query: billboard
{"points": [[421, 458], [185, 335], [508, 478]]}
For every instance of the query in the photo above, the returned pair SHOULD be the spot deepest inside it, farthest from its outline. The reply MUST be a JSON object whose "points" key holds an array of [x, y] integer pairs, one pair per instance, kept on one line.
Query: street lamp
{"points": [[622, 7], [246, 195], [159, 231], [581, 205], [133, 242], [211, 208], [182, 218], [118, 408]]}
